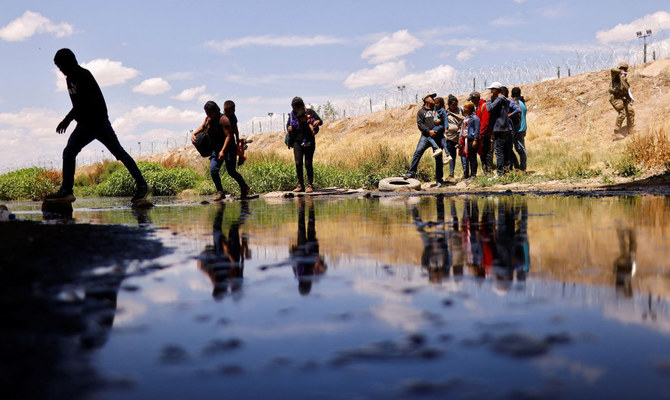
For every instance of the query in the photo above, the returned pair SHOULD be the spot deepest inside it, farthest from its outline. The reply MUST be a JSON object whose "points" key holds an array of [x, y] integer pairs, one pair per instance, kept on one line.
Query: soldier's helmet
{"points": [[623, 65]]}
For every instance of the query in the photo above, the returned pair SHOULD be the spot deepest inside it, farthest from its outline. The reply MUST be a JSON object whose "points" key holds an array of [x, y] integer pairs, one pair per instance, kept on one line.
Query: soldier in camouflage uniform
{"points": [[620, 97]]}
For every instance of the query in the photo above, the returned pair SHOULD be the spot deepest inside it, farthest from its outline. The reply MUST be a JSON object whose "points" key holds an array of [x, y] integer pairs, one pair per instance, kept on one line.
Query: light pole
{"points": [[139, 145], [644, 37], [401, 89], [270, 115]]}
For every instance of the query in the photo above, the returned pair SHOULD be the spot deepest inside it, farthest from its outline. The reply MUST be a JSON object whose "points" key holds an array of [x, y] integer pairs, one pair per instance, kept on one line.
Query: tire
{"points": [[398, 183]]}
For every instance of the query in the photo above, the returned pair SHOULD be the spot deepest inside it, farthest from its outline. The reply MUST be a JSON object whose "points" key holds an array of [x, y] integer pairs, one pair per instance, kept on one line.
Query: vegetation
{"points": [[29, 183]]}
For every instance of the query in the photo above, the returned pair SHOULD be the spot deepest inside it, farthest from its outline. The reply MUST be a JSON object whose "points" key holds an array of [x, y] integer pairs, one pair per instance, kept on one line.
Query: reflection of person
{"points": [[223, 261], [511, 255], [472, 247], [90, 112], [435, 257], [307, 263], [624, 265]]}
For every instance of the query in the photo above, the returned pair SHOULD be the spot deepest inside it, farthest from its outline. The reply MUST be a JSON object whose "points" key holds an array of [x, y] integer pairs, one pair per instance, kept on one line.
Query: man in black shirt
{"points": [[90, 112]]}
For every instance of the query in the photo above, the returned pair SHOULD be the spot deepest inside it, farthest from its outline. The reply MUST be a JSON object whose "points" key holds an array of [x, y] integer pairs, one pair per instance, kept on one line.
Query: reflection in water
{"points": [[308, 264], [59, 212], [223, 261], [624, 265], [490, 246]]}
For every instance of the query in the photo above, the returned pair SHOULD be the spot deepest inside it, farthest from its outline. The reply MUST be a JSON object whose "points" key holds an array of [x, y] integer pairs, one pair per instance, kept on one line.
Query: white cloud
{"points": [[32, 118], [105, 72], [128, 122], [190, 94], [382, 74], [152, 86], [391, 47], [431, 79], [507, 21], [31, 23], [274, 41], [465, 54], [625, 32], [180, 76]]}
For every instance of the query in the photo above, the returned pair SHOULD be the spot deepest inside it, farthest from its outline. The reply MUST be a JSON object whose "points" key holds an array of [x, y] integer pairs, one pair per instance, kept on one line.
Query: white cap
{"points": [[495, 85]]}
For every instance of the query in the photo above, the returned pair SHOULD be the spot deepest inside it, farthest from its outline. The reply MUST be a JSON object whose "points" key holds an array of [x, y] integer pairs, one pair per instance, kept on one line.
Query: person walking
{"points": [[302, 126], [519, 136], [425, 121], [90, 111], [485, 148], [468, 141], [498, 107], [222, 131], [621, 98]]}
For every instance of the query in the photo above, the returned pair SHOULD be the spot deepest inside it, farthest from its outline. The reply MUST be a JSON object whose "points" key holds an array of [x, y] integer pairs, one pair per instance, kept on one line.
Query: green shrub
{"points": [[626, 166], [165, 182], [29, 183]]}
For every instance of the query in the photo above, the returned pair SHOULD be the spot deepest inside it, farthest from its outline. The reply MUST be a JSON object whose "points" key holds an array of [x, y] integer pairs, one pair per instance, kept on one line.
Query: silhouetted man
{"points": [[90, 112]]}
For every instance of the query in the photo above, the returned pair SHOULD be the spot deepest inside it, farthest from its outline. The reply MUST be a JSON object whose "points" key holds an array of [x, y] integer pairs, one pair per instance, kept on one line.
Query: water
{"points": [[395, 297]]}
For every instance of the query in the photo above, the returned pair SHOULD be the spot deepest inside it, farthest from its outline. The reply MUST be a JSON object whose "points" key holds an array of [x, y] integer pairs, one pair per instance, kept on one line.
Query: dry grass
{"points": [[652, 148]]}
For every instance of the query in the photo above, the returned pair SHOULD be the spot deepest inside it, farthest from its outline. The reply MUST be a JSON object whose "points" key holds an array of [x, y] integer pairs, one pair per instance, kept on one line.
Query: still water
{"points": [[395, 297]]}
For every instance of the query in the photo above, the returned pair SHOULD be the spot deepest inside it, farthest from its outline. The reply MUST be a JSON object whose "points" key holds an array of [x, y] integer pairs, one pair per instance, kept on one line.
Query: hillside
{"points": [[568, 115]]}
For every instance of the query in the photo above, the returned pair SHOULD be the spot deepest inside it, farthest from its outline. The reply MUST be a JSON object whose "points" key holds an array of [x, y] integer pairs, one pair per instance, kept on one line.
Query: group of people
{"points": [[496, 125]]}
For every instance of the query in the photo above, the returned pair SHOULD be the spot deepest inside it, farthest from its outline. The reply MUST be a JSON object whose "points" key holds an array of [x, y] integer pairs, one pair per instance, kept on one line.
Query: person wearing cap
{"points": [[621, 98], [425, 121], [485, 148], [498, 107]]}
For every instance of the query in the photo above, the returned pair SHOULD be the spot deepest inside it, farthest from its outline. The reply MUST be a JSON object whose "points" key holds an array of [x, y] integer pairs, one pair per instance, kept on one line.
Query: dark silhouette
{"points": [[90, 112], [302, 127], [435, 258], [624, 265], [308, 264], [223, 261], [511, 256]]}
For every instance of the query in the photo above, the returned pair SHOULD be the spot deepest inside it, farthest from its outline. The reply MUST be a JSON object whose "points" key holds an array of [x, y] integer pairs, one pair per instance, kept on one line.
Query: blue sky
{"points": [[158, 62]]}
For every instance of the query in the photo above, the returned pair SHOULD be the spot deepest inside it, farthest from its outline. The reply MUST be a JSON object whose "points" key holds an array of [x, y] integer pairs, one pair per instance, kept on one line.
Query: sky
{"points": [[158, 62]]}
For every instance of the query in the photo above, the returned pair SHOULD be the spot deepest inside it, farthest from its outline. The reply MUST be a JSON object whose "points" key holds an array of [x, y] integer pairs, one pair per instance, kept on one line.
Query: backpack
{"points": [[290, 135], [202, 144]]}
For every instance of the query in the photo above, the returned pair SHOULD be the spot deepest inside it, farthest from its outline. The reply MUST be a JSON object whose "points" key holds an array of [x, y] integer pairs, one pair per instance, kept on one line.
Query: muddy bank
{"points": [[56, 308]]}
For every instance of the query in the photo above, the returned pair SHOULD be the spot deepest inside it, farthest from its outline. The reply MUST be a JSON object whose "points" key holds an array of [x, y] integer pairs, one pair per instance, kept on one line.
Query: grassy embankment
{"points": [[363, 167]]}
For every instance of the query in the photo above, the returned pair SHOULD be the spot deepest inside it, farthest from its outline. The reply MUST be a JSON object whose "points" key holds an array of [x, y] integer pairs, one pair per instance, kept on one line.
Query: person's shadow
{"points": [[307, 263], [223, 261]]}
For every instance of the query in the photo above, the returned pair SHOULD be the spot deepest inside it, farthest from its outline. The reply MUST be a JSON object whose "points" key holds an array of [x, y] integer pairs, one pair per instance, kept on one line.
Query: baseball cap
{"points": [[495, 85], [425, 96]]}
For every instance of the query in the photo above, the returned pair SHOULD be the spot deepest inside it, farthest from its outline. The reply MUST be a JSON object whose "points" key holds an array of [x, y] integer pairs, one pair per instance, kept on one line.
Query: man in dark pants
{"points": [[498, 107], [90, 112], [223, 133], [425, 121]]}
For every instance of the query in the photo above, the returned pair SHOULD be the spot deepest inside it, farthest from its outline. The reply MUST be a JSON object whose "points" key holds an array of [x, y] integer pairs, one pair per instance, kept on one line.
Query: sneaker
{"points": [[61, 196], [409, 175], [219, 196], [298, 188], [437, 152], [309, 188], [447, 158], [143, 191], [244, 193], [439, 184]]}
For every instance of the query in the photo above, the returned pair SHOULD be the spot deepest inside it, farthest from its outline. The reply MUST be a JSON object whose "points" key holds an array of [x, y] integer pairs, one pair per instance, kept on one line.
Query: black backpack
{"points": [[202, 144]]}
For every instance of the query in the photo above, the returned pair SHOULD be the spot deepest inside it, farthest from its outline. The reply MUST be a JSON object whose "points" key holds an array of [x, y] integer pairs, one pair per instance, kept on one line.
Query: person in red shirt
{"points": [[485, 149]]}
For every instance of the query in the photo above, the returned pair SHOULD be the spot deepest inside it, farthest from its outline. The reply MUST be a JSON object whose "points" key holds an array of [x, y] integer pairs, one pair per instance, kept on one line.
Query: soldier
{"points": [[621, 98]]}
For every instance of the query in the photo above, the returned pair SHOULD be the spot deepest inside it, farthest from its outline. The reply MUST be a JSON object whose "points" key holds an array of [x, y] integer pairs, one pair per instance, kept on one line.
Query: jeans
{"points": [[84, 134], [470, 163], [503, 146], [450, 146], [307, 153], [520, 147], [421, 148], [433, 143], [487, 153], [230, 159]]}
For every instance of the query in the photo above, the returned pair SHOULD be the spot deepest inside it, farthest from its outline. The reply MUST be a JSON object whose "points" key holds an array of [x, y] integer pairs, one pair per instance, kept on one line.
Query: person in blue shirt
{"points": [[468, 141], [519, 139]]}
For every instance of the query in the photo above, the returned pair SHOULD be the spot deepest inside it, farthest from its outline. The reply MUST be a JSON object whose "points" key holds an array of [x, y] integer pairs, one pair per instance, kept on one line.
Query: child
{"points": [[297, 121], [467, 142], [441, 125]]}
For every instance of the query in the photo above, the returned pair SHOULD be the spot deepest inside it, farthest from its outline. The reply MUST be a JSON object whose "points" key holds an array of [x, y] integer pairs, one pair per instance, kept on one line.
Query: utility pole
{"points": [[283, 120], [270, 115], [401, 89], [644, 38]]}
